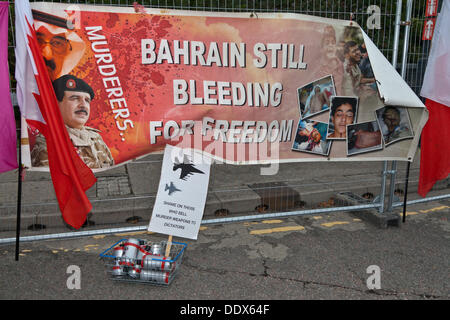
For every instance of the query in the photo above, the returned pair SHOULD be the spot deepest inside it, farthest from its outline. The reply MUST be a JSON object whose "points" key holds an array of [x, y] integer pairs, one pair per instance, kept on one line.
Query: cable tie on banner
{"points": [[139, 8], [22, 172], [351, 18], [253, 14]]}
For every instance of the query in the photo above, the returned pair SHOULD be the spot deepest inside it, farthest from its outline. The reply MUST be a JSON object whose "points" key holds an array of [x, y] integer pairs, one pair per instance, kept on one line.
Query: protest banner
{"points": [[239, 87]]}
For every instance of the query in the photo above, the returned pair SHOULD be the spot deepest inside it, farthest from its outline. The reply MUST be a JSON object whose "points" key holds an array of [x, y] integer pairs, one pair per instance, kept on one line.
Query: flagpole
{"points": [[19, 193], [406, 191], [404, 61]]}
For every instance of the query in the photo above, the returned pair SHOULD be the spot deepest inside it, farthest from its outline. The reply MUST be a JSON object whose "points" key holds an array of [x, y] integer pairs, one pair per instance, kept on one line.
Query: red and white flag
{"points": [[38, 105], [435, 140]]}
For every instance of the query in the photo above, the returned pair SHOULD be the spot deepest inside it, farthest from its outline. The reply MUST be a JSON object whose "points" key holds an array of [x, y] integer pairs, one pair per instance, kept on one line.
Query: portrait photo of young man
{"points": [[343, 112]]}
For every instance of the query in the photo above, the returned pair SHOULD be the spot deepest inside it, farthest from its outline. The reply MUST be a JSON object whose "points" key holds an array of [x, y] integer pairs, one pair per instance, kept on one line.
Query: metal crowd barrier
{"points": [[390, 12]]}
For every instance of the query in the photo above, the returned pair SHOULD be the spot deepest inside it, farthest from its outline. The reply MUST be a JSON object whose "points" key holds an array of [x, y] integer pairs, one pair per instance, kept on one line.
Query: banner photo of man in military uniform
{"points": [[74, 99], [235, 86]]}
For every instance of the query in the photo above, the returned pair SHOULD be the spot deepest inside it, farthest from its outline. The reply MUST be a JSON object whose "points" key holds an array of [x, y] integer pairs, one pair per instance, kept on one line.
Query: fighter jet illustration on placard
{"points": [[187, 168], [171, 188]]}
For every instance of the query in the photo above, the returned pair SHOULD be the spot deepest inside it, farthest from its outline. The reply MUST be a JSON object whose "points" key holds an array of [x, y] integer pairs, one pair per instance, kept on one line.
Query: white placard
{"points": [[182, 192]]}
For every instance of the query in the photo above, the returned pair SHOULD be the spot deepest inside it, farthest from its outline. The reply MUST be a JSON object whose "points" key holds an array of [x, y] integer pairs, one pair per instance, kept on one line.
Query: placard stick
{"points": [[19, 192], [169, 244]]}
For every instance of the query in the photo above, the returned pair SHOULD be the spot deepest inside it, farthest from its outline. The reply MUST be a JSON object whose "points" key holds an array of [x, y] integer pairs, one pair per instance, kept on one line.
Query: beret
{"points": [[71, 83]]}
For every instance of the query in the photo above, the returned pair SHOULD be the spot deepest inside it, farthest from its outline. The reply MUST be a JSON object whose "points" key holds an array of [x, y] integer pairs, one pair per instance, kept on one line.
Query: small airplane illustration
{"points": [[171, 188], [187, 168]]}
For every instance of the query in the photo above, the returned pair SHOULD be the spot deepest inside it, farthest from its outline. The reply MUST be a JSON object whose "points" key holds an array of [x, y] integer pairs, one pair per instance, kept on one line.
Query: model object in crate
{"points": [[144, 261]]}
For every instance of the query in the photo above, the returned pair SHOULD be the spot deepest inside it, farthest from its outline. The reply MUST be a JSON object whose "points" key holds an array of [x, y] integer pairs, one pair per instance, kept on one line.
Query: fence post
{"points": [[407, 24], [383, 187], [406, 39], [385, 172], [398, 16]]}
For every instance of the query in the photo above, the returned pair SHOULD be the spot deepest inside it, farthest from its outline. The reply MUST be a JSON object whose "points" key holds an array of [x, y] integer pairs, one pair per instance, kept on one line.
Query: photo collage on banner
{"points": [[329, 106]]}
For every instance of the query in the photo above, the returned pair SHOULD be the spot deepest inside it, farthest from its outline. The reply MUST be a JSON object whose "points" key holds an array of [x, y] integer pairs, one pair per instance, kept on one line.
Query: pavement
{"points": [[315, 256], [124, 196], [318, 257]]}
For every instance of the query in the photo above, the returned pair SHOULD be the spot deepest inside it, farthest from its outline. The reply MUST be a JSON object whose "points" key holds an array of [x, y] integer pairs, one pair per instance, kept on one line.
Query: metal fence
{"points": [[120, 206]]}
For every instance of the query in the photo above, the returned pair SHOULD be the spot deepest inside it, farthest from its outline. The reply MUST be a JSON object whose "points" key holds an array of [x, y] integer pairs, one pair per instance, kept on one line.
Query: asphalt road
{"points": [[310, 257]]}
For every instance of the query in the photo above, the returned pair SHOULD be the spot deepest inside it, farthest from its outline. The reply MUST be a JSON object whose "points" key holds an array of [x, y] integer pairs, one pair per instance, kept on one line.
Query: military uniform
{"points": [[88, 143]]}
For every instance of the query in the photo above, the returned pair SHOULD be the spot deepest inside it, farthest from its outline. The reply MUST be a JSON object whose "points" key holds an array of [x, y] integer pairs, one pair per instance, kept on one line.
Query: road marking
{"points": [[334, 223], [280, 229], [412, 213], [275, 221], [132, 233], [272, 221], [434, 209]]}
